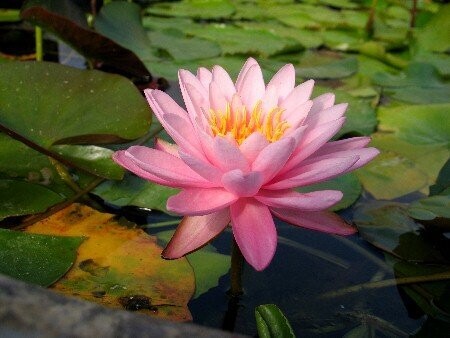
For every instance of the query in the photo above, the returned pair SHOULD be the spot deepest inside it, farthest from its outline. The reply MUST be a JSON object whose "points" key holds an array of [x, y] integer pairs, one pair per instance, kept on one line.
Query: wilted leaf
{"points": [[37, 259], [68, 21], [120, 267]]}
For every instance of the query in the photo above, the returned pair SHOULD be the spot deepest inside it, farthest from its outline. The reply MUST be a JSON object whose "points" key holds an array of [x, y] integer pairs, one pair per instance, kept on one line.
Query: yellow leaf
{"points": [[119, 266]]}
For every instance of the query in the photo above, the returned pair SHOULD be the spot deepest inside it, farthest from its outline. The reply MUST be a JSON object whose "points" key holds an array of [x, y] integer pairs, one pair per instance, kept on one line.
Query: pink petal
{"points": [[194, 232], [324, 221], [254, 232], [204, 169], [296, 115], [227, 155], [290, 199], [322, 102], [162, 104], [247, 65], [194, 93], [204, 76], [342, 145], [283, 81], [122, 159], [252, 88], [197, 104], [311, 141], [165, 166], [273, 157], [270, 99], [253, 145], [180, 129], [299, 95], [167, 147], [326, 115], [217, 100], [242, 184], [312, 173], [197, 201], [221, 77]]}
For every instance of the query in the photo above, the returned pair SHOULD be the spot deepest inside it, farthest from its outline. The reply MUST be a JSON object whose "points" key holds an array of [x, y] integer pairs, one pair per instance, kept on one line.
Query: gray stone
{"points": [[31, 311]]}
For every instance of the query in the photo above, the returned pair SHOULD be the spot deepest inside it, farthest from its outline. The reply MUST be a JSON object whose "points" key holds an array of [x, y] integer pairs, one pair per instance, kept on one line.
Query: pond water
{"points": [[307, 266]]}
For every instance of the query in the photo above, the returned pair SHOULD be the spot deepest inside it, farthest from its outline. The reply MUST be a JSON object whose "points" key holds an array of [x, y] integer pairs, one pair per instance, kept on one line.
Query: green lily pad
{"points": [[210, 9], [442, 181], [391, 175], [120, 20], [315, 66], [418, 124], [419, 84], [430, 208], [387, 226], [207, 263], [135, 191], [68, 21], [434, 36], [348, 184], [37, 259], [18, 198], [272, 323]]}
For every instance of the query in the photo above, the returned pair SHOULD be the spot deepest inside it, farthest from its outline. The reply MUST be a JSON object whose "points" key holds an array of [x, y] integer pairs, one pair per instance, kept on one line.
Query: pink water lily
{"points": [[240, 150]]}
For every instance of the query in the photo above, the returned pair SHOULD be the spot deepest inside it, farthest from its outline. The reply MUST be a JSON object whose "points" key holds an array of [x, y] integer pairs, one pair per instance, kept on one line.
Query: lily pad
{"points": [[272, 323], [417, 124], [135, 191], [208, 264], [315, 66], [37, 259], [434, 36], [388, 226], [18, 198], [68, 21], [430, 207], [120, 267], [201, 9]]}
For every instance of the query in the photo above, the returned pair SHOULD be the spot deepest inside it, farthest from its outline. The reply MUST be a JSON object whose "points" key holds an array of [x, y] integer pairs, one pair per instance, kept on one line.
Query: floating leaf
{"points": [[207, 263], [68, 21], [430, 207], [442, 181], [18, 198], [314, 66], [37, 259], [418, 124], [348, 184], [434, 36], [120, 267], [201, 9], [135, 191], [120, 20], [271, 322], [419, 84], [388, 226]]}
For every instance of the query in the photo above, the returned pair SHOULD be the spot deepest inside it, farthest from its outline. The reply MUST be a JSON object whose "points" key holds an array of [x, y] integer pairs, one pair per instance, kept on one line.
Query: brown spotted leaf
{"points": [[120, 266]]}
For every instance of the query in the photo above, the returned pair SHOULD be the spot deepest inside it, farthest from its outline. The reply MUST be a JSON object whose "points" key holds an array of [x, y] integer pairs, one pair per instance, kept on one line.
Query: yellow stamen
{"points": [[241, 124]]}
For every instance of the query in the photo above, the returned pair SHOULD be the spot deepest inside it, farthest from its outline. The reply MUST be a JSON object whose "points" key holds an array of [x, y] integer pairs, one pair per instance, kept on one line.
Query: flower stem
{"points": [[38, 42], [237, 261]]}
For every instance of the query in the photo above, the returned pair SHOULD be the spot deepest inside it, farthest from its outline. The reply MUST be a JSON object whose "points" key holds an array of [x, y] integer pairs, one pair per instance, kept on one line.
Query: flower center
{"points": [[240, 124]]}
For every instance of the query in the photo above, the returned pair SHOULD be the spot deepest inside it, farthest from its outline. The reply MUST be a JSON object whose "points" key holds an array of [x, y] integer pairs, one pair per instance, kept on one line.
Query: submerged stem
{"points": [[237, 261]]}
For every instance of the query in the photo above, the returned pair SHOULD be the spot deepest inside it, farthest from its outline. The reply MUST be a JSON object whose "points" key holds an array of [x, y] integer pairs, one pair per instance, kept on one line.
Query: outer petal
{"points": [[227, 155], [197, 201], [204, 76], [322, 102], [242, 184], [254, 231], [273, 157], [226, 84], [342, 145], [162, 165], [204, 169], [167, 147], [326, 115], [247, 65], [194, 232], [283, 81], [290, 199], [252, 88], [299, 95], [324, 221], [312, 173]]}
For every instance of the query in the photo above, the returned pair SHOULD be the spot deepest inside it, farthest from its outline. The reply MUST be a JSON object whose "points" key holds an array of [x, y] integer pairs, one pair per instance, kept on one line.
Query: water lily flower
{"points": [[240, 150]]}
